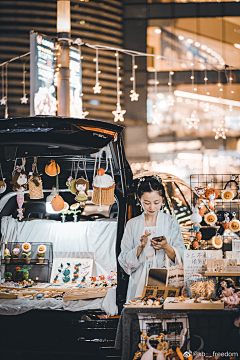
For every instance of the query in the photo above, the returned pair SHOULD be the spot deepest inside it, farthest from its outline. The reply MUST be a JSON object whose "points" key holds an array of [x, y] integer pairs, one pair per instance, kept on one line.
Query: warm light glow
{"points": [[210, 99], [181, 37], [63, 16], [157, 31], [237, 46]]}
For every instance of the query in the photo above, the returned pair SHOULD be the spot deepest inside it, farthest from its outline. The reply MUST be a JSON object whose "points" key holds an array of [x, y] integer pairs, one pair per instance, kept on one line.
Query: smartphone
{"points": [[158, 238]]}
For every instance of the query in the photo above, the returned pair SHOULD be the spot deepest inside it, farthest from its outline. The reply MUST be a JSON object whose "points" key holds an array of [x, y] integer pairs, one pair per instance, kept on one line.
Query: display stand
{"points": [[39, 272]]}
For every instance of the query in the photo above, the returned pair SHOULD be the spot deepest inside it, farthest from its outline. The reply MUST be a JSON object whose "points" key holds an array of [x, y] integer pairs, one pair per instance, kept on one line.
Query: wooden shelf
{"points": [[225, 273]]}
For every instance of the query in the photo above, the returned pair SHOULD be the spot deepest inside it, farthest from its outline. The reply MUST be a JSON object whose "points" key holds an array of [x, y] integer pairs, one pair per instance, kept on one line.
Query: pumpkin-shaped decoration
{"points": [[210, 218], [57, 203], [52, 169], [227, 195], [234, 225], [217, 242], [100, 171], [26, 247]]}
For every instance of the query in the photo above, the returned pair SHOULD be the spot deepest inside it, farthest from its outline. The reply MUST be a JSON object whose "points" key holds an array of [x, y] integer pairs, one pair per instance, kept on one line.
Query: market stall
{"points": [[191, 309], [59, 227]]}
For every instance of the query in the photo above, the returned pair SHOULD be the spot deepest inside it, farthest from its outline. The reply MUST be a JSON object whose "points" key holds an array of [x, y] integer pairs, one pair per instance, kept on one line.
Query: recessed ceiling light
{"points": [[237, 46], [181, 37], [190, 41], [157, 31]]}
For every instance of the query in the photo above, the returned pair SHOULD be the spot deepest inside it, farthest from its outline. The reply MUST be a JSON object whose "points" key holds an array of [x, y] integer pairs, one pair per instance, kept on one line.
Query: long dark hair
{"points": [[149, 184]]}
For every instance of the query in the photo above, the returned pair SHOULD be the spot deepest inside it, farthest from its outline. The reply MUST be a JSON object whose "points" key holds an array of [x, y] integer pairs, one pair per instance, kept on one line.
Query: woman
{"points": [[138, 251]]}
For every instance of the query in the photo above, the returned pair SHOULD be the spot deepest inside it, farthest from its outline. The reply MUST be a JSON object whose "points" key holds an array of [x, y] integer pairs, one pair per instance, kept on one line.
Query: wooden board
{"points": [[80, 294], [16, 295], [224, 273], [157, 291], [142, 306], [216, 305]]}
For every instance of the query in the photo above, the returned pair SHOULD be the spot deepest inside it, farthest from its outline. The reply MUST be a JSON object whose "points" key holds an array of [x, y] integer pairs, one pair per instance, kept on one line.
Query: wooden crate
{"points": [[16, 295], [215, 305], [83, 294]]}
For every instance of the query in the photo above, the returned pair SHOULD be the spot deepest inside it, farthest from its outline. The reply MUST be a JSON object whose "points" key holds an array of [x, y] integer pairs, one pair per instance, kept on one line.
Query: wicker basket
{"points": [[107, 195], [35, 192]]}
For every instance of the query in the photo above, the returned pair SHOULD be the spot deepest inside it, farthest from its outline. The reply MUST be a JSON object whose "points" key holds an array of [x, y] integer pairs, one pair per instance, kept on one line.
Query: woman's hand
{"points": [[158, 245], [143, 240]]}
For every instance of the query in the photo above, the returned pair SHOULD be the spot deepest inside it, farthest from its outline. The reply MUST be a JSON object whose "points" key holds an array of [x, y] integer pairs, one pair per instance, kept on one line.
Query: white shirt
{"points": [[149, 250]]}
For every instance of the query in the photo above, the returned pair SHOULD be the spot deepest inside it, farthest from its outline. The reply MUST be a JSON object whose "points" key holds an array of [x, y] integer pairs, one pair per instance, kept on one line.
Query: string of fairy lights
{"points": [[118, 113]]}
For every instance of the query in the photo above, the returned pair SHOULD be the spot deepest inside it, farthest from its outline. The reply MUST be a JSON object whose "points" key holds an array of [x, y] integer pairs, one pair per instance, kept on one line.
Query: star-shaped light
{"points": [[118, 113], [3, 101], [193, 121], [97, 88], [24, 99], [221, 131], [134, 96]]}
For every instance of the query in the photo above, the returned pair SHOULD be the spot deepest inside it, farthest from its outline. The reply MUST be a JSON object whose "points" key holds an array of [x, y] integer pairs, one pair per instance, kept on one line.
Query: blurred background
{"points": [[173, 125]]}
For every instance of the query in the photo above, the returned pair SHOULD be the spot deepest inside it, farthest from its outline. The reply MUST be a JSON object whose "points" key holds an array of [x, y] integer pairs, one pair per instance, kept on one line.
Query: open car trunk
{"points": [[64, 140]]}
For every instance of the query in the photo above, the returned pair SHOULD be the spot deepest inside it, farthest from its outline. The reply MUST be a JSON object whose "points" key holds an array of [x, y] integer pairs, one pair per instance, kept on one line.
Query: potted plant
{"points": [[26, 247], [26, 257], [74, 211], [15, 253], [25, 273], [8, 276], [7, 255], [40, 253]]}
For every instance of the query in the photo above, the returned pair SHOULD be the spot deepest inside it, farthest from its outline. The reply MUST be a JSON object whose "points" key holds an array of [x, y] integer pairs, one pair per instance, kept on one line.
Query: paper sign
{"points": [[195, 261]]}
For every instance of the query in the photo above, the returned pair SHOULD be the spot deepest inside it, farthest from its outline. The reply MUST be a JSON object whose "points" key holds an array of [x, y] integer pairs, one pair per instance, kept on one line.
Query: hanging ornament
{"points": [[97, 88], [226, 221], [81, 185], [156, 115], [134, 96], [3, 185], [118, 113], [220, 132], [35, 182], [234, 224], [210, 218], [3, 99], [24, 99], [19, 181], [193, 120], [170, 98], [211, 195]]}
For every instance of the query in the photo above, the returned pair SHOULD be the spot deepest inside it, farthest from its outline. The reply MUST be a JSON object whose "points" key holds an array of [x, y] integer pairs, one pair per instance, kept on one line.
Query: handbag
{"points": [[176, 272]]}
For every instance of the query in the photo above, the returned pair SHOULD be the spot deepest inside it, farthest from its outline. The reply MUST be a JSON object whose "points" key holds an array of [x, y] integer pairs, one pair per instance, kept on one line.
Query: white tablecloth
{"points": [[84, 239], [20, 306]]}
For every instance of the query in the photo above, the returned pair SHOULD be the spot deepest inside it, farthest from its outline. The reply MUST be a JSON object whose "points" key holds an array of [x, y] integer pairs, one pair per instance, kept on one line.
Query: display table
{"points": [[215, 327], [20, 306]]}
